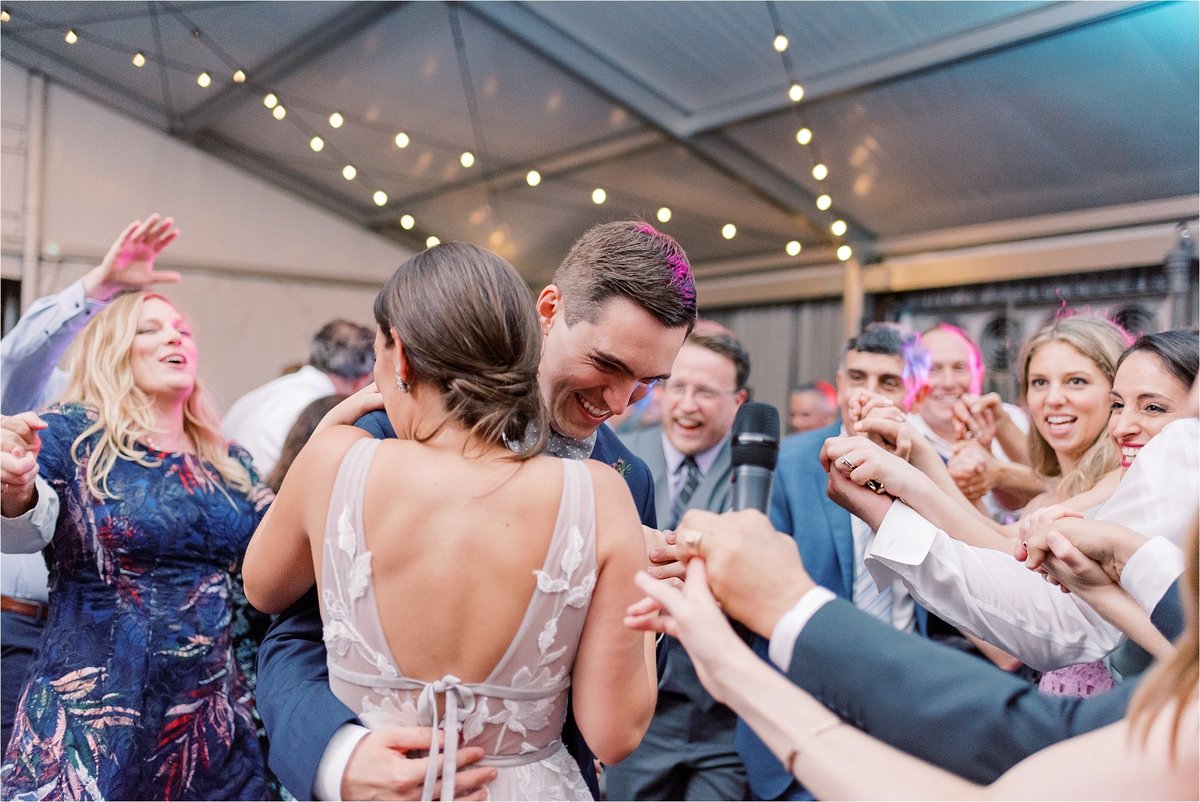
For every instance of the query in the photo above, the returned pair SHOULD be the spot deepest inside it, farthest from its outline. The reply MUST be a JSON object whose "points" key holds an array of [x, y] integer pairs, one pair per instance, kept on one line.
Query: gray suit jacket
{"points": [[714, 493]]}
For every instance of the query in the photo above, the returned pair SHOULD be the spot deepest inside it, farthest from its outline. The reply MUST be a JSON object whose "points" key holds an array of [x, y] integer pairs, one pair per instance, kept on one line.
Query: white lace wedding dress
{"points": [[517, 714]]}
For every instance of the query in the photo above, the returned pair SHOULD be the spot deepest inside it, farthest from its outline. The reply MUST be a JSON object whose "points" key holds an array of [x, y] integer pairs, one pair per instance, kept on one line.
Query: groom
{"points": [[621, 304]]}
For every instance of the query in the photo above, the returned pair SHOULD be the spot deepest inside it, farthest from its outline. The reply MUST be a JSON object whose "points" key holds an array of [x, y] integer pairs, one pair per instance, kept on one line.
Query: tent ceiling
{"points": [[927, 115]]}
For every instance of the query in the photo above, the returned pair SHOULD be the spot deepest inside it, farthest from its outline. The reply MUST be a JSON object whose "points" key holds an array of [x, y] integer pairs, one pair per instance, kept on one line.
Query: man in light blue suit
{"points": [[688, 751], [884, 360]]}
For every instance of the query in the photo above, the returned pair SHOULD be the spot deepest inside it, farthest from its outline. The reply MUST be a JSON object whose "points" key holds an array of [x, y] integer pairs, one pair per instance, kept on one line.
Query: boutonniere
{"points": [[622, 467]]}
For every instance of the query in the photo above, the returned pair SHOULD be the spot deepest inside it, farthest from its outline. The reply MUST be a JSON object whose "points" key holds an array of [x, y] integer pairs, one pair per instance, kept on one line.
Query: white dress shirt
{"points": [[260, 420], [1147, 576], [991, 595]]}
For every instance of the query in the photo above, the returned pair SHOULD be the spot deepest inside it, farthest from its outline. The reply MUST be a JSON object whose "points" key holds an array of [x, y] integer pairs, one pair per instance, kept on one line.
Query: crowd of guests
{"points": [[405, 569]]}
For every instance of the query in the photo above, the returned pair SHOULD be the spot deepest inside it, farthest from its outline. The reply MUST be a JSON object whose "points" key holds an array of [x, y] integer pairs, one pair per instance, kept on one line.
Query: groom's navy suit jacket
{"points": [[299, 710]]}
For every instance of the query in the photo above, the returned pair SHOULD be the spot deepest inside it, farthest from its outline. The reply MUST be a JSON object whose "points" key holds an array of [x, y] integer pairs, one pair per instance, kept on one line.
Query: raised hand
{"points": [[129, 263], [973, 468], [1031, 546]]}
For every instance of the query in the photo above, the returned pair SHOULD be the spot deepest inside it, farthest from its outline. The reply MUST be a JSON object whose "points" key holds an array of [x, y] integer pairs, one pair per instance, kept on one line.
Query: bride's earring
{"points": [[401, 383]]}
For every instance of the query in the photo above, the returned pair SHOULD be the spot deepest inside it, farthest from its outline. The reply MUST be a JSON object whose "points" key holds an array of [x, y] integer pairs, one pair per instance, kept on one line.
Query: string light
{"points": [[663, 215], [838, 227], [844, 253], [796, 93], [279, 112], [599, 196], [317, 144], [432, 242], [335, 120], [820, 171], [71, 37], [824, 202], [793, 248], [239, 77], [204, 80], [729, 231], [4, 15], [407, 222], [139, 59], [270, 100], [402, 140], [533, 178], [348, 172], [467, 159], [781, 43], [804, 136], [380, 197]]}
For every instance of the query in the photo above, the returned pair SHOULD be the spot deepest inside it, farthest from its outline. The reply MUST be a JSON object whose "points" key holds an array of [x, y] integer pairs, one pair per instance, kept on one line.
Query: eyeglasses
{"points": [[701, 393]]}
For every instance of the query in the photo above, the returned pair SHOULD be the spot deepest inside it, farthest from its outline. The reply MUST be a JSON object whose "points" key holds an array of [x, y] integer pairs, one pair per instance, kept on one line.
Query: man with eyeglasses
{"points": [[621, 304], [688, 752]]}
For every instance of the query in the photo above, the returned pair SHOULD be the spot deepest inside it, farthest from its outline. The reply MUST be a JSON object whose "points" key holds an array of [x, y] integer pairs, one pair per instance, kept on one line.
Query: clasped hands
{"points": [[19, 448]]}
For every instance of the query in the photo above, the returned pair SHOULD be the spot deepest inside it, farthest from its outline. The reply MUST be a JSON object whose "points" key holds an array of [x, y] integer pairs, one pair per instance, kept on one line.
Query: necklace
{"points": [[150, 442]]}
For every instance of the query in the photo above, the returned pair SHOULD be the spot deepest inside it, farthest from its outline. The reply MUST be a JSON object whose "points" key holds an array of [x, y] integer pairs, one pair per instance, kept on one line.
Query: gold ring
{"points": [[846, 461], [876, 485]]}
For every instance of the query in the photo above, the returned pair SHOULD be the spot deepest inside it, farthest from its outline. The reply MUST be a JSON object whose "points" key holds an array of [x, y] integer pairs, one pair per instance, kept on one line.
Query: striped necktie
{"points": [[867, 597], [690, 483]]}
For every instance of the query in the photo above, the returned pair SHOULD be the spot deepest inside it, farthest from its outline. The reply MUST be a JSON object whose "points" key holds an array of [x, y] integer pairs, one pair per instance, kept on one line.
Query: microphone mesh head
{"points": [[755, 436]]}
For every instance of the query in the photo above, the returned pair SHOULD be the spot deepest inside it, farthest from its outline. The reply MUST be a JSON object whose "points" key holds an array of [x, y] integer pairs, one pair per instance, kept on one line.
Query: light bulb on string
{"points": [[467, 159], [432, 242], [533, 178], [139, 59], [780, 43], [796, 93], [4, 15], [820, 171], [663, 215], [824, 202], [279, 112], [380, 197], [844, 253], [804, 136], [204, 80], [599, 196], [401, 140], [317, 144], [71, 37], [793, 248], [336, 120], [348, 172], [407, 222], [239, 77], [729, 231], [270, 100], [838, 227]]}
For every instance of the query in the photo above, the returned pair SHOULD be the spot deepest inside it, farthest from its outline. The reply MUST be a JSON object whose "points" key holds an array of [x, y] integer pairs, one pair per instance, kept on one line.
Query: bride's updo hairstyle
{"points": [[471, 333]]}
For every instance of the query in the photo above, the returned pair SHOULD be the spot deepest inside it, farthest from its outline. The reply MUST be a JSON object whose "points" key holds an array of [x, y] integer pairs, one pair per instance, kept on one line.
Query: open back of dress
{"points": [[517, 714]]}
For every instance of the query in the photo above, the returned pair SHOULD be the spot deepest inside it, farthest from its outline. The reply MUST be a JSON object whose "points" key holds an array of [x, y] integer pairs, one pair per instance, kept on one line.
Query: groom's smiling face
{"points": [[596, 368]]}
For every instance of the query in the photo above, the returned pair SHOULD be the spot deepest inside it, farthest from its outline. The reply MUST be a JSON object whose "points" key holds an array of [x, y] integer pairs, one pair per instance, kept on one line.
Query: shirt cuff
{"points": [[1151, 570], [29, 533], [903, 537], [792, 623], [328, 782]]}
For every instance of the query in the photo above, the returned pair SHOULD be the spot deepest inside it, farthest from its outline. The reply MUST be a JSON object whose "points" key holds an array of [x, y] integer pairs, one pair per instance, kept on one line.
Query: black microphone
{"points": [[754, 450]]}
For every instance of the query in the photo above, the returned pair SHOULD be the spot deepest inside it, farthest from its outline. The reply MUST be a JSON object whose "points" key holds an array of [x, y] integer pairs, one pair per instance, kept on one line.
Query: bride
{"points": [[465, 585]]}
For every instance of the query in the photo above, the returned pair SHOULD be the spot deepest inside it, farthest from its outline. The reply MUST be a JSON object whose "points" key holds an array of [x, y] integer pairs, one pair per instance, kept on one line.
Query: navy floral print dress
{"points": [[136, 693]]}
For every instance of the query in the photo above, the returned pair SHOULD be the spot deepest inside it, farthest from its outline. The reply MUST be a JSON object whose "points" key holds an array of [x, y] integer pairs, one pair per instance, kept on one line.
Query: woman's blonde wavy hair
{"points": [[102, 378], [1103, 342]]}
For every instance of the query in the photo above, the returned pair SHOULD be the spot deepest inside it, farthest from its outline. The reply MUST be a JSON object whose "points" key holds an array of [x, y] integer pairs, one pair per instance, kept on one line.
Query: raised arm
{"points": [[615, 680], [32, 350]]}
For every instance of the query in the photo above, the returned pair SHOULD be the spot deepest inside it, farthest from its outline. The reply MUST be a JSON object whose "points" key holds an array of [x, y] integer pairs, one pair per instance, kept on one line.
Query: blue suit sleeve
{"points": [[376, 424], [939, 704], [294, 700], [642, 487]]}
